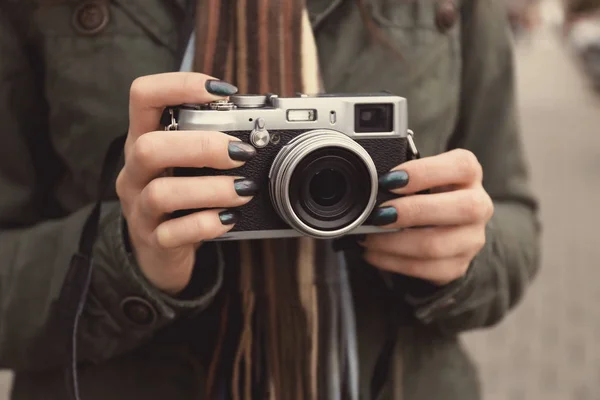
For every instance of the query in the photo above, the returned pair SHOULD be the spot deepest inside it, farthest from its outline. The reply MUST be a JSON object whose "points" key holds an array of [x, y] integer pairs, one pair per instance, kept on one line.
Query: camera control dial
{"points": [[249, 100], [260, 137], [221, 105]]}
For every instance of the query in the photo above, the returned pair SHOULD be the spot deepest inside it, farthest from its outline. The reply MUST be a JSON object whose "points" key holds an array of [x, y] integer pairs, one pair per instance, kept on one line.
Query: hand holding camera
{"points": [[318, 159], [164, 247], [317, 166], [445, 229]]}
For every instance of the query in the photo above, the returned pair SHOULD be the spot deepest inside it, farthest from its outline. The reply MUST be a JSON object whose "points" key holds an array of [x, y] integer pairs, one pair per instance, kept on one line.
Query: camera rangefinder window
{"points": [[373, 118]]}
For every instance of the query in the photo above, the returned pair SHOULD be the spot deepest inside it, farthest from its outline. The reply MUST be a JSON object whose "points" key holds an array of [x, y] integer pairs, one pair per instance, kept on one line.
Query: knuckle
{"points": [[201, 227], [476, 206], [484, 204], [137, 90], [469, 164], [432, 247], [410, 267], [489, 204], [120, 184], [144, 151], [479, 240], [153, 196], [163, 238], [137, 233], [453, 272]]}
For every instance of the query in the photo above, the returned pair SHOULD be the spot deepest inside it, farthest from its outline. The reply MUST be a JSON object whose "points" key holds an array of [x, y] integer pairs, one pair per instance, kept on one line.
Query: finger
{"points": [[149, 95], [195, 228], [438, 271], [454, 168], [429, 243], [168, 194], [461, 207], [157, 151]]}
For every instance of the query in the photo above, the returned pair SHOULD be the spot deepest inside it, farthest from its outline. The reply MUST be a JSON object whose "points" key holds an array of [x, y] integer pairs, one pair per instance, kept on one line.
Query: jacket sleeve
{"points": [[488, 126], [122, 309]]}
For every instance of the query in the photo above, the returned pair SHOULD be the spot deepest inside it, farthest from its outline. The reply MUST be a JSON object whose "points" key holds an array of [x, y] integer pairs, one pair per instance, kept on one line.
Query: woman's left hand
{"points": [[446, 228]]}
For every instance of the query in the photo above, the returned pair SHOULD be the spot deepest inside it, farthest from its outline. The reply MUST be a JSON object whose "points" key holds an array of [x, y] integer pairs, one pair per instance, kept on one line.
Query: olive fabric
{"points": [[65, 72]]}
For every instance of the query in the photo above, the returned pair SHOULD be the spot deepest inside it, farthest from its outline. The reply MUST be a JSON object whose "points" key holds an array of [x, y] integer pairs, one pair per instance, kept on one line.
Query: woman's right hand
{"points": [[165, 248]]}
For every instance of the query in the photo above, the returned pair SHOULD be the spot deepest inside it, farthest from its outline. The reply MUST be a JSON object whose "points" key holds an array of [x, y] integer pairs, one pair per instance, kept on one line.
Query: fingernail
{"points": [[384, 216], [241, 151], [245, 187], [229, 217], [393, 180], [220, 88]]}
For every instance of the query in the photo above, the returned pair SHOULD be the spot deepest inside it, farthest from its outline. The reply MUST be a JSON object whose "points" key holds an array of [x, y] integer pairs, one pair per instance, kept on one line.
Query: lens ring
{"points": [[348, 205], [288, 159]]}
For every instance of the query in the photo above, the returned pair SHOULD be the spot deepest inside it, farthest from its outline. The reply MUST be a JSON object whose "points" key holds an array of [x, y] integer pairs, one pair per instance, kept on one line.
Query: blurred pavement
{"points": [[549, 348]]}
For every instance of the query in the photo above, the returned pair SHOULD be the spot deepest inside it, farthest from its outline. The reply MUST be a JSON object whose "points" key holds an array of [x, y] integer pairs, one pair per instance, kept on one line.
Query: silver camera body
{"points": [[318, 159]]}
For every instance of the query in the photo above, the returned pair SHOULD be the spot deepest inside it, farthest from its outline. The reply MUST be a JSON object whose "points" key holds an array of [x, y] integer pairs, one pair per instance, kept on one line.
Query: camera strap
{"points": [[68, 308]]}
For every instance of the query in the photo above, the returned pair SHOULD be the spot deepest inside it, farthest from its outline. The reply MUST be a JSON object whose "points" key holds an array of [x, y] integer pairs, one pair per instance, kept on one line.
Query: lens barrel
{"points": [[323, 184]]}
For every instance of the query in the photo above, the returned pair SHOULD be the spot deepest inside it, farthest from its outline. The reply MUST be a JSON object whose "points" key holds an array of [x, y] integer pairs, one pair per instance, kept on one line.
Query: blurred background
{"points": [[549, 348]]}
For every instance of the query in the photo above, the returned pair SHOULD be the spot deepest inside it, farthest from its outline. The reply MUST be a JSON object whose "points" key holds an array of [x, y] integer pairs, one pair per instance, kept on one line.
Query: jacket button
{"points": [[138, 311], [91, 17], [446, 15]]}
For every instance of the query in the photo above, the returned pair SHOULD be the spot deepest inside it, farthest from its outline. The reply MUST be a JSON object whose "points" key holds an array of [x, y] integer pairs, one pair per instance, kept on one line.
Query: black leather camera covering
{"points": [[259, 213]]}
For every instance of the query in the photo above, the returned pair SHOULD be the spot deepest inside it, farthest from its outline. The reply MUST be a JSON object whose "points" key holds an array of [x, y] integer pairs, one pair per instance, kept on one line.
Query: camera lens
{"points": [[323, 184], [327, 187], [373, 118]]}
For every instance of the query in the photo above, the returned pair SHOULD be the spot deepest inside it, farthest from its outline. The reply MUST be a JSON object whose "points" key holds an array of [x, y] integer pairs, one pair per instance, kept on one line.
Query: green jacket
{"points": [[65, 71]]}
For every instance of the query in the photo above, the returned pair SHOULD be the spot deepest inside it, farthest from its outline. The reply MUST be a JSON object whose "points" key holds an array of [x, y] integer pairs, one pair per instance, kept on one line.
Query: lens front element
{"points": [[327, 187], [323, 184]]}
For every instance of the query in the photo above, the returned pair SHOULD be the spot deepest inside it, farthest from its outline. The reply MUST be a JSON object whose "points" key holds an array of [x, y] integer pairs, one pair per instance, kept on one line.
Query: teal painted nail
{"points": [[241, 151], [220, 88], [384, 216], [245, 187], [393, 180], [229, 217]]}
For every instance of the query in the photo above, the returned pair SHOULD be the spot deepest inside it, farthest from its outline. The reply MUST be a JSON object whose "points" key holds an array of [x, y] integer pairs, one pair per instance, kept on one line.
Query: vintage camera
{"points": [[318, 159]]}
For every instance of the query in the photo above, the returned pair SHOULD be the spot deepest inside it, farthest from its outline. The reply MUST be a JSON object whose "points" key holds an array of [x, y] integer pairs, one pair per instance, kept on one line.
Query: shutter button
{"points": [[446, 15], [138, 311], [91, 17]]}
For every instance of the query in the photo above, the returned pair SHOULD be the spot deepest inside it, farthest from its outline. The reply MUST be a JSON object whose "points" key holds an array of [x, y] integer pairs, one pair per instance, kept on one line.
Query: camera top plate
{"points": [[322, 111]]}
